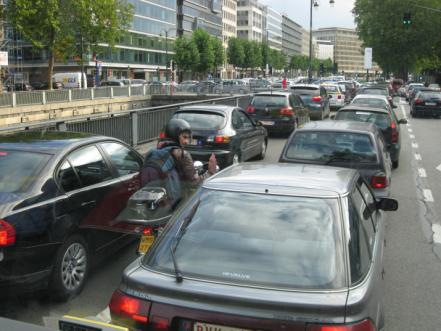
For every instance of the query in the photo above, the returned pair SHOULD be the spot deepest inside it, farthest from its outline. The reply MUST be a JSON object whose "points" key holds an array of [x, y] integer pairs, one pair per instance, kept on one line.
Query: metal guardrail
{"points": [[57, 96], [133, 126], [28, 98]]}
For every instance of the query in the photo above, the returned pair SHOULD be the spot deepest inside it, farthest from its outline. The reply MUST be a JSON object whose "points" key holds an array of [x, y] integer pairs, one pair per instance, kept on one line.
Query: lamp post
{"points": [[314, 4], [166, 52]]}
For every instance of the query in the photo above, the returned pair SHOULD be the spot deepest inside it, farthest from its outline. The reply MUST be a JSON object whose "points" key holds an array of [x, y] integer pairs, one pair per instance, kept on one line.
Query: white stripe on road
{"points": [[418, 158], [428, 195], [414, 145], [438, 168], [410, 130], [436, 228], [403, 112], [412, 136], [422, 172]]}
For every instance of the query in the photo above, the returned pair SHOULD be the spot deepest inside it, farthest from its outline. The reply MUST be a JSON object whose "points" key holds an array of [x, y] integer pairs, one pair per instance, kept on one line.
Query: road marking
{"points": [[412, 136], [418, 158], [403, 112], [410, 130], [428, 195], [436, 228], [438, 168], [422, 172], [414, 145]]}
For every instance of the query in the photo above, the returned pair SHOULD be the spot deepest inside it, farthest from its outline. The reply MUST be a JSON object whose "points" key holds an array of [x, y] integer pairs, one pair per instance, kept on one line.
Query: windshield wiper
{"points": [[344, 156], [177, 239]]}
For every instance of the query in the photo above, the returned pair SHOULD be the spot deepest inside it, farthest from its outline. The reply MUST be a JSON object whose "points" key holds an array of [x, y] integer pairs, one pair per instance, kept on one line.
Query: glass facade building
{"points": [[291, 37], [273, 26]]}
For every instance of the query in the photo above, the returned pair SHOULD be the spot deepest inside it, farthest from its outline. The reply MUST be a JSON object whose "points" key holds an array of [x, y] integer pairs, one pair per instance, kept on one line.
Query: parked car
{"points": [[226, 131], [410, 87], [232, 86], [264, 247], [426, 103], [434, 87], [315, 98], [45, 86], [336, 95], [279, 112], [384, 119], [114, 82], [348, 144], [19, 87], [259, 85], [414, 90], [60, 194]]}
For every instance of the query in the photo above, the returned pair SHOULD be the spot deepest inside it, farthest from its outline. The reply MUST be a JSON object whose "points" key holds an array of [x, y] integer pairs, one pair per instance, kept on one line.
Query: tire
{"points": [[262, 154], [395, 164], [70, 269]]}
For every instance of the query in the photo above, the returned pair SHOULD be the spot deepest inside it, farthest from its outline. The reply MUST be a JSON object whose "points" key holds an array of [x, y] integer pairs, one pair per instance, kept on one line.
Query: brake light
{"points": [[222, 139], [6, 153], [160, 323], [129, 307], [379, 181], [250, 109], [147, 231], [394, 134], [365, 325], [286, 111], [317, 99], [419, 101], [162, 135], [7, 234]]}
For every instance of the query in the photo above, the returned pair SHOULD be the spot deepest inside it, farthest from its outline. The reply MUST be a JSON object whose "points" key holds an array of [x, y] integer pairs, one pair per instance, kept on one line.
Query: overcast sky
{"points": [[324, 16]]}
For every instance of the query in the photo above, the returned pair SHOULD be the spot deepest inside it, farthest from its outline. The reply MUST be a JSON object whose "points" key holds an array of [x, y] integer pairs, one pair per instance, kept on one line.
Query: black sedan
{"points": [[426, 103], [60, 194], [264, 247], [226, 131]]}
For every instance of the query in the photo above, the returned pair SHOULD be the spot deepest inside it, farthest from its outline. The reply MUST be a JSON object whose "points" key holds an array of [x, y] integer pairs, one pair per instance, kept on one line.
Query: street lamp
{"points": [[166, 31], [314, 3]]}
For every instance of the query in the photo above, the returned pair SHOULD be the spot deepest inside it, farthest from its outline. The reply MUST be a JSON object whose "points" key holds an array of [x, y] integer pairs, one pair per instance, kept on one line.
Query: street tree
{"points": [[59, 25], [186, 54], [219, 52], [235, 53], [207, 55]]}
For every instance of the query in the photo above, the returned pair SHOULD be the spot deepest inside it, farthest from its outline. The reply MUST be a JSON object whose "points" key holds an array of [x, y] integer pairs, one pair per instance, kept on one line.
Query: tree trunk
{"points": [[50, 68]]}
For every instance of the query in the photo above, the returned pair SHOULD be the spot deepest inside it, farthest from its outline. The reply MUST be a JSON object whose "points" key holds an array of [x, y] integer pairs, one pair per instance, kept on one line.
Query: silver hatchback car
{"points": [[264, 247]]}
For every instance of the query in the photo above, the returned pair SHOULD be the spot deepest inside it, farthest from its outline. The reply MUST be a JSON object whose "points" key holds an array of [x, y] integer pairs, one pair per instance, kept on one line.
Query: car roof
{"points": [[284, 179], [371, 96], [208, 108], [364, 108], [337, 125], [51, 142]]}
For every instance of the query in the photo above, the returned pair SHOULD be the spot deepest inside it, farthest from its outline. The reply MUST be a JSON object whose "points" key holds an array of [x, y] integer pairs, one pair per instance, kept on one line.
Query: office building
{"points": [[229, 23], [291, 37], [272, 23], [250, 20], [324, 50]]}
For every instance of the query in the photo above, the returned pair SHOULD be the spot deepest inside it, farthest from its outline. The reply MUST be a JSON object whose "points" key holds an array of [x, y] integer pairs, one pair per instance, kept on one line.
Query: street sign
{"points": [[368, 58], [3, 58]]}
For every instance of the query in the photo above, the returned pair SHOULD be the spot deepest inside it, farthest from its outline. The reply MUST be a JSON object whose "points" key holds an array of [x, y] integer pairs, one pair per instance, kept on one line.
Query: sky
{"points": [[324, 16]]}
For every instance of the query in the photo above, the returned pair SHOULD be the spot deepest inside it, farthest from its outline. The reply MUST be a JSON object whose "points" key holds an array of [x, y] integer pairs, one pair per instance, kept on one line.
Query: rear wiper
{"points": [[341, 157], [177, 239]]}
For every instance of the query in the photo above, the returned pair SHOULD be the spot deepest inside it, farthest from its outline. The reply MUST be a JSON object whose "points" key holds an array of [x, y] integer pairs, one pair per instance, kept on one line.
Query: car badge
{"points": [[267, 110]]}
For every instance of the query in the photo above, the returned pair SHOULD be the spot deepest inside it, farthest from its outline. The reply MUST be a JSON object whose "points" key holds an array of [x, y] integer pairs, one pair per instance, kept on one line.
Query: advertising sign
{"points": [[368, 58], [3, 58]]}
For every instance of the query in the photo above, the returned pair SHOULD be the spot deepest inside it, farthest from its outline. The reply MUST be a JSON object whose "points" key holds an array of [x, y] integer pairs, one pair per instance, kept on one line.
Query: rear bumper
{"points": [[224, 157], [428, 111]]}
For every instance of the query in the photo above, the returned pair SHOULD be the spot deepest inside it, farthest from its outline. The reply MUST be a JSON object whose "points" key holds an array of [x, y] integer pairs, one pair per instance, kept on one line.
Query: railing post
{"points": [[61, 126], [130, 91], [43, 97], [144, 89], [237, 101], [14, 99], [70, 95], [92, 93], [111, 92], [134, 117]]}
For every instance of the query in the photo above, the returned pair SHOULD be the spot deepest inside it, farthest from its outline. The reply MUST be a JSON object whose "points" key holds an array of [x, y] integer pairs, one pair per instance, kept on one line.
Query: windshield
{"points": [[19, 169], [297, 236], [324, 147], [426, 95], [377, 103], [331, 89], [202, 120], [269, 101], [380, 119], [374, 91]]}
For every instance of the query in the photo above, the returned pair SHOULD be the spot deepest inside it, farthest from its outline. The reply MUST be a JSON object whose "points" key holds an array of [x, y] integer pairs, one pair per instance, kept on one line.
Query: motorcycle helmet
{"points": [[175, 127]]}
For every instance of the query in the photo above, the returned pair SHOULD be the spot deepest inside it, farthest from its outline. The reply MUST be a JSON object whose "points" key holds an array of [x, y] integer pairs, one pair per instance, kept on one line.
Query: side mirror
{"points": [[387, 204], [402, 121], [259, 123]]}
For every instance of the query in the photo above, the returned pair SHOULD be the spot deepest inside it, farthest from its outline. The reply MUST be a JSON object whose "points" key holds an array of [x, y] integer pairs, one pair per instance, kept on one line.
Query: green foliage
{"points": [[219, 52], [186, 54], [299, 62], [236, 53], [205, 48]]}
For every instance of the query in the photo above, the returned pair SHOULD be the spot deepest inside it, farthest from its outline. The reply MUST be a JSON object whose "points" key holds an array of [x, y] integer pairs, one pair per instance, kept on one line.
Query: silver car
{"points": [[264, 247]]}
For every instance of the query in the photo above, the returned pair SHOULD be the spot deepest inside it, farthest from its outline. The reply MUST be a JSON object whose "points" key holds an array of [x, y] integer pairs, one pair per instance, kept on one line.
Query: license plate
{"points": [[145, 243], [205, 326], [430, 103], [267, 122]]}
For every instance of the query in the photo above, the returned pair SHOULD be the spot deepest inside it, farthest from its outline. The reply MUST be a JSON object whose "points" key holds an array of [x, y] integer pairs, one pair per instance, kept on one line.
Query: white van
{"points": [[70, 79]]}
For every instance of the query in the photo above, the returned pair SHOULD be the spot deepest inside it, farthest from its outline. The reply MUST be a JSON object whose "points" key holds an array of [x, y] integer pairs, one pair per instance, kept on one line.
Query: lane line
{"points": [[428, 197], [410, 130], [403, 112], [422, 172], [412, 136], [418, 158], [414, 145], [436, 228], [438, 168]]}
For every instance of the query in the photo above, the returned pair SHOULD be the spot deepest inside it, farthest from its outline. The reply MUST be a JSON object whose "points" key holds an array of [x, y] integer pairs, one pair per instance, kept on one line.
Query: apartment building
{"points": [[229, 20], [272, 23], [324, 50], [250, 20], [291, 37]]}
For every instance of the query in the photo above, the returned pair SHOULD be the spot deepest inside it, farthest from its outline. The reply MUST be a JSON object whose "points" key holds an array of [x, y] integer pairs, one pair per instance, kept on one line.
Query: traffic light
{"points": [[407, 18], [322, 69]]}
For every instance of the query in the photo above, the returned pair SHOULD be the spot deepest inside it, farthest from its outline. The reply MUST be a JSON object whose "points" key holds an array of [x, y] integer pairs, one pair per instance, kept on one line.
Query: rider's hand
{"points": [[212, 163]]}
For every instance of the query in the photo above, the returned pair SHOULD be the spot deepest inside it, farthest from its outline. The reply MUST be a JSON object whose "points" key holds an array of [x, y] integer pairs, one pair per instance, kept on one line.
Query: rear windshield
{"points": [[286, 242], [202, 120], [269, 101], [428, 95], [377, 103], [18, 169], [332, 89], [381, 120], [324, 146], [374, 91]]}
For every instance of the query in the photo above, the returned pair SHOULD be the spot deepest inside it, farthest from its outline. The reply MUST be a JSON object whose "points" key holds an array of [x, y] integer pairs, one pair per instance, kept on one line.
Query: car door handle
{"points": [[88, 203]]}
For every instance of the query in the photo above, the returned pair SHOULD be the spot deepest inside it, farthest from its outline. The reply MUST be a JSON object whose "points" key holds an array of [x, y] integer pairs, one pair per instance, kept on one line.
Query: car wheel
{"points": [[263, 150], [70, 270], [395, 164]]}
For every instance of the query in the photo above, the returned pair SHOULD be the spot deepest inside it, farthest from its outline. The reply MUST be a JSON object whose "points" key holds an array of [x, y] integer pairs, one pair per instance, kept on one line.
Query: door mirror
{"points": [[259, 123], [402, 121], [387, 204]]}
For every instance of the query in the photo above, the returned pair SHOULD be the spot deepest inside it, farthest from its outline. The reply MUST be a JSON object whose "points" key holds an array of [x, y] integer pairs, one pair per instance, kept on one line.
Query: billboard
{"points": [[3, 58], [368, 58]]}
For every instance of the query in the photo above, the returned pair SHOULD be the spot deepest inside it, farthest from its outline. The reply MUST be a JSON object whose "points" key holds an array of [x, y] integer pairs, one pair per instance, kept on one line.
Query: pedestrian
{"points": [[284, 83]]}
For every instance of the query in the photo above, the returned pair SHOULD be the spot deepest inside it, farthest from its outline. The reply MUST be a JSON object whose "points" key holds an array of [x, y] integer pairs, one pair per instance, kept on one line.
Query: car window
{"points": [[89, 165], [369, 200], [325, 146], [270, 101], [378, 103], [380, 119], [236, 120], [365, 215], [202, 120], [19, 169], [245, 120], [125, 161], [297, 236], [67, 177]]}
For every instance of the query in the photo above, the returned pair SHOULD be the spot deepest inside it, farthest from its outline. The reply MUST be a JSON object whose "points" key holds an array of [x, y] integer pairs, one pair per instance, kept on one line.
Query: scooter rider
{"points": [[178, 133]]}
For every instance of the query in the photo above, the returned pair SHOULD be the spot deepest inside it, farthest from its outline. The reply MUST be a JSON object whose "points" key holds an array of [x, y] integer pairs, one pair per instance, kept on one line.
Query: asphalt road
{"points": [[413, 269]]}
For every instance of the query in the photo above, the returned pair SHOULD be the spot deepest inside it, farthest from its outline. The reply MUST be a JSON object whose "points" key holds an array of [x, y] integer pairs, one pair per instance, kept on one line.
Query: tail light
{"points": [[419, 101], [317, 99], [286, 111], [162, 135], [147, 231], [131, 308], [379, 181], [222, 139], [365, 325], [7, 234], [250, 109], [394, 133]]}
